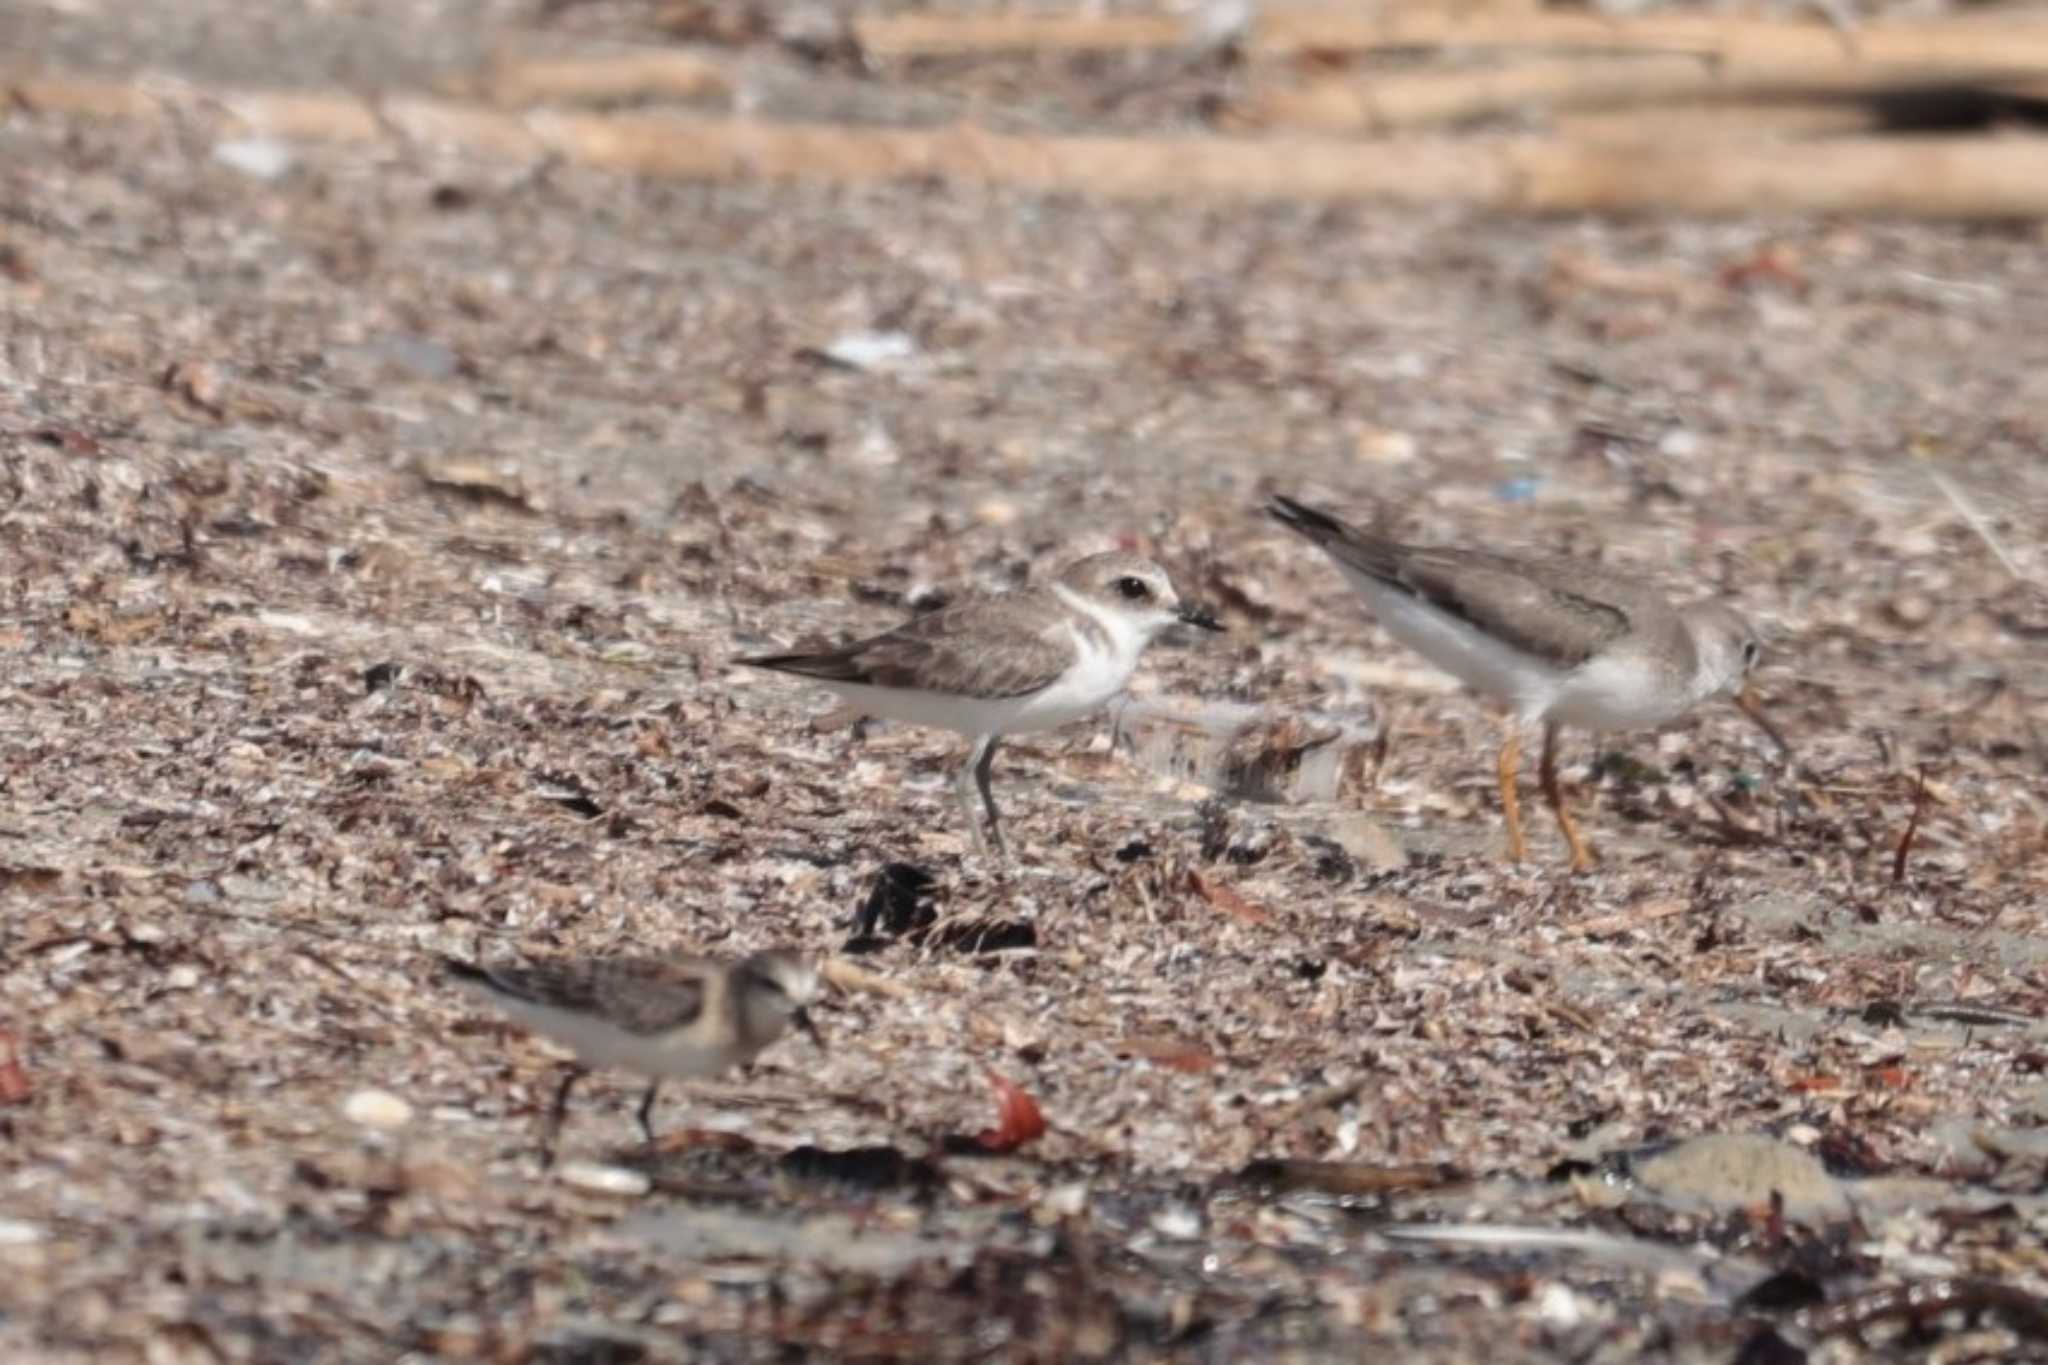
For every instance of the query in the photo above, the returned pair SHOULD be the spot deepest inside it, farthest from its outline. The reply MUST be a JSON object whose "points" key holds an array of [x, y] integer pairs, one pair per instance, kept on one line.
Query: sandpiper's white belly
{"points": [[1608, 692], [1487, 665], [1618, 692]]}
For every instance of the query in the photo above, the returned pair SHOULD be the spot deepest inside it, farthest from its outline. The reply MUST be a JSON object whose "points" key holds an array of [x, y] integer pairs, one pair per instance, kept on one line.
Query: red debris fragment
{"points": [[13, 1075], [1018, 1119], [1227, 899], [1776, 264]]}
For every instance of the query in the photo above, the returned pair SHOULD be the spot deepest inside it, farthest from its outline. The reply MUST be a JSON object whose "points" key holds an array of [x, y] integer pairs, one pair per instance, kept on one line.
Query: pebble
{"points": [[1370, 842], [1558, 1306], [1958, 1149], [627, 652], [875, 449], [871, 350], [1377, 446], [249, 889], [1725, 1172], [377, 1109], [1067, 1200], [420, 357], [1178, 1222], [995, 512], [1679, 443], [601, 1179], [1911, 609], [2012, 1144], [262, 157]]}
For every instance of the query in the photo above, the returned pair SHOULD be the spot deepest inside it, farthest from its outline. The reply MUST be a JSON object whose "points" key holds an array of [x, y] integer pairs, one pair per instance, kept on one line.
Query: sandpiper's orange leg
{"points": [[1510, 804], [1582, 856]]}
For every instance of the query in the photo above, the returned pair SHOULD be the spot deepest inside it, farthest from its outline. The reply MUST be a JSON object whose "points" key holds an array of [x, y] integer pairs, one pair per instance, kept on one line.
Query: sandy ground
{"points": [[376, 540]]}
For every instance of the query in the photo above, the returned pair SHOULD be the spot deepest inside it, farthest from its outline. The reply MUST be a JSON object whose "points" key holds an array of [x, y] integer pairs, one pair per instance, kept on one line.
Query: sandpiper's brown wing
{"points": [[1560, 612], [1557, 610], [987, 647], [639, 995]]}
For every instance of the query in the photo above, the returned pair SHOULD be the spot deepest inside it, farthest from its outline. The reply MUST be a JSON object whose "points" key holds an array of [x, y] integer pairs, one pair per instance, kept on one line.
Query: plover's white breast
{"points": [[1618, 691], [1098, 673]]}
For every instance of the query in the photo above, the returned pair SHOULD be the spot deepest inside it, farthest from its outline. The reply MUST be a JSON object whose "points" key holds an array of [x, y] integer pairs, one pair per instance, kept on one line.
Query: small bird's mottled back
{"points": [[672, 1018], [643, 995]]}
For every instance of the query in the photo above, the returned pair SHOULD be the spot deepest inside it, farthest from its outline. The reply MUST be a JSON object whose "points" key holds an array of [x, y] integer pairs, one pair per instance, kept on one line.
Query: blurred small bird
{"points": [[1560, 642], [664, 1018]]}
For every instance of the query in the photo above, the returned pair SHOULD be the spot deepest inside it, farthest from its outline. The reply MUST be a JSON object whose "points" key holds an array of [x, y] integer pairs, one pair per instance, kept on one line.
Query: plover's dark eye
{"points": [[1132, 589], [1751, 652]]}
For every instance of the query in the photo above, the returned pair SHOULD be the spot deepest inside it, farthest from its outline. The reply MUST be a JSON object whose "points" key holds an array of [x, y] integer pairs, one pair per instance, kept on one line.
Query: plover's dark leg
{"points": [[571, 1073], [1582, 855], [963, 792], [647, 1111], [1510, 803], [974, 777]]}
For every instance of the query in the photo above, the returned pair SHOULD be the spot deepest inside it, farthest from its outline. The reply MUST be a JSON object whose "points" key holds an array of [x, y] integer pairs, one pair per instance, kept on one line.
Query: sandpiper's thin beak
{"points": [[1747, 702], [1193, 615], [801, 1017]]}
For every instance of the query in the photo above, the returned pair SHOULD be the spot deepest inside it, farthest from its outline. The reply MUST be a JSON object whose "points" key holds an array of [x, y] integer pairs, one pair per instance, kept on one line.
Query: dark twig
{"points": [[1912, 829], [2027, 1314]]}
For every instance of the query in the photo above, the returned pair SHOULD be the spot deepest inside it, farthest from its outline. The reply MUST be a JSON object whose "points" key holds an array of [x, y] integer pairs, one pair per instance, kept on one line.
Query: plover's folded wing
{"points": [[638, 995], [1556, 610], [1561, 613], [1374, 556], [984, 648]]}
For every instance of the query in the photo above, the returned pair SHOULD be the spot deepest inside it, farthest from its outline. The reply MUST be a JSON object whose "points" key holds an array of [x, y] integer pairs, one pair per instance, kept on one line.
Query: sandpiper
{"points": [[1558, 641], [1007, 664], [668, 1018]]}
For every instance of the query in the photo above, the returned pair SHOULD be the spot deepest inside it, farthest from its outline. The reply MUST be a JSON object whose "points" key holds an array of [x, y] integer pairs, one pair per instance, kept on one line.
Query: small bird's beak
{"points": [[1747, 702], [1193, 615], [801, 1017]]}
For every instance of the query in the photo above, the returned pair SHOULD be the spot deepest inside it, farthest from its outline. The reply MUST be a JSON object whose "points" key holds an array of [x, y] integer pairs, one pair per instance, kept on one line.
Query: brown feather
{"points": [[934, 652], [1563, 611], [639, 995]]}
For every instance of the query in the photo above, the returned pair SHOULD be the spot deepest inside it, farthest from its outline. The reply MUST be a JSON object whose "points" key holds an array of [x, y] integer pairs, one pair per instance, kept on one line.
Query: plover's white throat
{"points": [[1559, 642], [664, 1018], [1008, 664]]}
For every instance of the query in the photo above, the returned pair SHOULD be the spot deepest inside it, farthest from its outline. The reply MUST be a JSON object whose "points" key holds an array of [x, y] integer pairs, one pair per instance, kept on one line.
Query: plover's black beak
{"points": [[801, 1017], [1193, 615]]}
